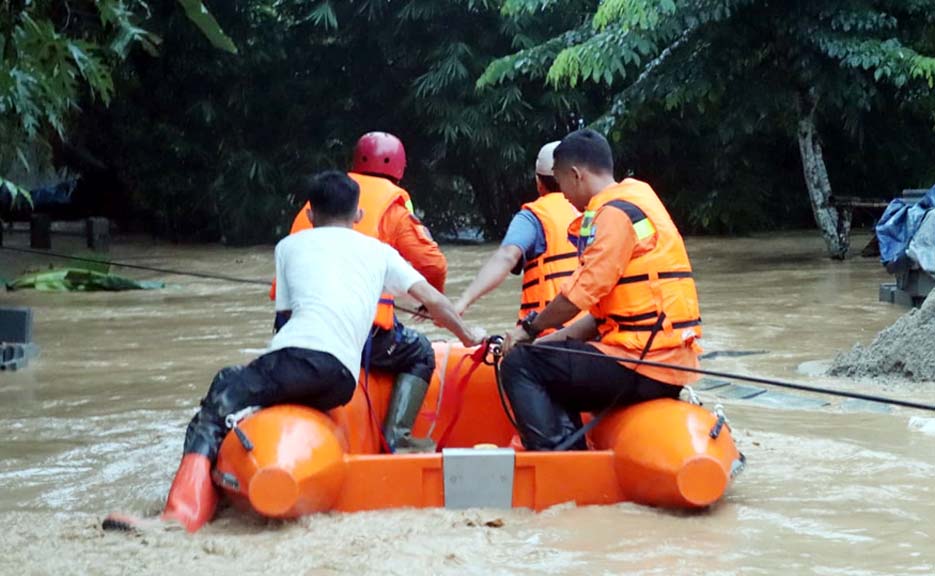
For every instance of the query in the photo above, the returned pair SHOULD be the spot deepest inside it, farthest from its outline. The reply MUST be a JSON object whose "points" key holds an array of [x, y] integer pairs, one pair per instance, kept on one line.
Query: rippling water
{"points": [[96, 425]]}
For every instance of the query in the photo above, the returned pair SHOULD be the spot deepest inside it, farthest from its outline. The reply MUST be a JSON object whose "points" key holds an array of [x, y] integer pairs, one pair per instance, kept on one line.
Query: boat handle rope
{"points": [[475, 359], [693, 396], [493, 358], [433, 416], [719, 423]]}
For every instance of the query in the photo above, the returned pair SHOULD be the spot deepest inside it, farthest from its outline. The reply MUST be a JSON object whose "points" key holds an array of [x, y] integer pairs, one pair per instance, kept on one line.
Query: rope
{"points": [[416, 313], [502, 394], [493, 357], [139, 267], [475, 359], [433, 416], [728, 375], [424, 315]]}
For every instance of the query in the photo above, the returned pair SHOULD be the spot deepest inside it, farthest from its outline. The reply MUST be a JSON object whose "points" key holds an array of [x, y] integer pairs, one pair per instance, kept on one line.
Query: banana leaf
{"points": [[79, 280]]}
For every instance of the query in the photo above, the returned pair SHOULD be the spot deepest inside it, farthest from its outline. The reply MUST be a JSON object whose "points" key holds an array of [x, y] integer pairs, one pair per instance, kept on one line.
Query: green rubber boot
{"points": [[408, 394]]}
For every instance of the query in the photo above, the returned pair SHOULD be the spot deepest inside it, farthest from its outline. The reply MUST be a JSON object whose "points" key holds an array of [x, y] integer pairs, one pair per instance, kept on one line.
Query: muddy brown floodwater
{"points": [[96, 424]]}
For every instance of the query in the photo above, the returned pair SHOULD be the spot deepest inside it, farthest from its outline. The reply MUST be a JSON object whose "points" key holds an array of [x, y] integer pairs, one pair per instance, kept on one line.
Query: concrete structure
{"points": [[16, 347]]}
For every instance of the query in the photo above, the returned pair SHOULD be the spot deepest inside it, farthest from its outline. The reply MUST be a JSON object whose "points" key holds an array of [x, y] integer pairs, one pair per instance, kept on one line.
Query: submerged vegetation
{"points": [[197, 118]]}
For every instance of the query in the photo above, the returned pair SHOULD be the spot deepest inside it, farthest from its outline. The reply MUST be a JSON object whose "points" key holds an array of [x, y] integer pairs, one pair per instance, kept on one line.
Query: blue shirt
{"points": [[526, 233]]}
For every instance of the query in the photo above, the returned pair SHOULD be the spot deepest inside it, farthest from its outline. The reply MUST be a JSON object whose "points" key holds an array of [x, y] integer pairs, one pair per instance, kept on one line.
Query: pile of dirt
{"points": [[905, 349]]}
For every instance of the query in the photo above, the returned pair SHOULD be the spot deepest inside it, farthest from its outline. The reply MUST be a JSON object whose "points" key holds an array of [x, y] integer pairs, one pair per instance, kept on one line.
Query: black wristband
{"points": [[528, 328]]}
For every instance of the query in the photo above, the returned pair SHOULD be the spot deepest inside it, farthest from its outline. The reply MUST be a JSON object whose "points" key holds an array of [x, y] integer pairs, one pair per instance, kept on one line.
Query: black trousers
{"points": [[549, 389], [290, 375], [397, 350], [401, 350]]}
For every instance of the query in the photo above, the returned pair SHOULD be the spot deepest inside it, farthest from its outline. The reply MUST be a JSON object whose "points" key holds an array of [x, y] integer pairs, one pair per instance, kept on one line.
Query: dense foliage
{"points": [[718, 103], [739, 69], [55, 53], [312, 77]]}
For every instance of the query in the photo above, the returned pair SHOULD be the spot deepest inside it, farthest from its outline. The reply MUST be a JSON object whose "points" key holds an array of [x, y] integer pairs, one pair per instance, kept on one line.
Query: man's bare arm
{"points": [[583, 329], [491, 275], [444, 314]]}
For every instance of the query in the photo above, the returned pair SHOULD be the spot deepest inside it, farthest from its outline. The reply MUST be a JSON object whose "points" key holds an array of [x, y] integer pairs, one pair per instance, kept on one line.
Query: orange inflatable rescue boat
{"points": [[288, 461]]}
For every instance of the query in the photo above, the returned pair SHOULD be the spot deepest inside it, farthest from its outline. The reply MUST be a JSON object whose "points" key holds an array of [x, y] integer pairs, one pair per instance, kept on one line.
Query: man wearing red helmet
{"points": [[378, 166]]}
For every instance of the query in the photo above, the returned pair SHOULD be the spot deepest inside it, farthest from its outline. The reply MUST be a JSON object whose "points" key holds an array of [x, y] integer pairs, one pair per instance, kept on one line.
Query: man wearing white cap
{"points": [[536, 244]]}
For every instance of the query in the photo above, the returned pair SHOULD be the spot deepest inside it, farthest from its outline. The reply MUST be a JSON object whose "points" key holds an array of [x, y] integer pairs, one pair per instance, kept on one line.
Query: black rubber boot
{"points": [[408, 394]]}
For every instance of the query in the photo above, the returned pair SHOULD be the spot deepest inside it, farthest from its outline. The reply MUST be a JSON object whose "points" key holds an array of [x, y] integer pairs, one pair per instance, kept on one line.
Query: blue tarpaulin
{"points": [[898, 225], [922, 247], [51, 196]]}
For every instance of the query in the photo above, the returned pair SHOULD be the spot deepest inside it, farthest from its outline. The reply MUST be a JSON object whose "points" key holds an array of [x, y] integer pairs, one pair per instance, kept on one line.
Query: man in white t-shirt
{"points": [[330, 278]]}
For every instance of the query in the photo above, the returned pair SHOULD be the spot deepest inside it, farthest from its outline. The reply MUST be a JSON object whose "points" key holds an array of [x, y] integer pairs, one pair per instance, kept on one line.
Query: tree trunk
{"points": [[835, 225]]}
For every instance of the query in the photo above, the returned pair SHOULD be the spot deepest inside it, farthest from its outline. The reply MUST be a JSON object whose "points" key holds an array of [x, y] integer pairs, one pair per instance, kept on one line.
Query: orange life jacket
{"points": [[376, 196], [654, 305], [543, 276]]}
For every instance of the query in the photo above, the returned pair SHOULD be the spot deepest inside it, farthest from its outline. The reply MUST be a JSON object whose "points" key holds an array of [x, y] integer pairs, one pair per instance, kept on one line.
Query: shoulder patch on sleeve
{"points": [[421, 228]]}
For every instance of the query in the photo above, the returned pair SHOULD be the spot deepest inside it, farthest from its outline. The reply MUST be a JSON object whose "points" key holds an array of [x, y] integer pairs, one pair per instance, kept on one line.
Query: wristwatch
{"points": [[528, 328]]}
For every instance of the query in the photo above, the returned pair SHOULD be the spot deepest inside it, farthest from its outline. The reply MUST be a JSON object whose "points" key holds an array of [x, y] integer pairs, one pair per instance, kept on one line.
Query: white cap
{"points": [[545, 161]]}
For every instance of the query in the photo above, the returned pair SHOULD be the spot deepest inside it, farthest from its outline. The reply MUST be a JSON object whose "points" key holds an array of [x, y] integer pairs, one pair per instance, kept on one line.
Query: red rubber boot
{"points": [[193, 497]]}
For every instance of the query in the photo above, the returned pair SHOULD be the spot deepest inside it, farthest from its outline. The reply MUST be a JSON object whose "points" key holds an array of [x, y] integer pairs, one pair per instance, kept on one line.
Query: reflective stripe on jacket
{"points": [[654, 305], [543, 276]]}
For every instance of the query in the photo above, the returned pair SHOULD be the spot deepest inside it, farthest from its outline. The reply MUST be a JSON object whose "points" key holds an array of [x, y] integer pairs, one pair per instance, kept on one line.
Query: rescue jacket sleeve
{"points": [[405, 232], [301, 221], [603, 261]]}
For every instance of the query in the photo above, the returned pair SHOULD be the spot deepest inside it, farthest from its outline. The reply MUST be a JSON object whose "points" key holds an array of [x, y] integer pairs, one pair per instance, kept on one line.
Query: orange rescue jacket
{"points": [[376, 196], [543, 276], [654, 305]]}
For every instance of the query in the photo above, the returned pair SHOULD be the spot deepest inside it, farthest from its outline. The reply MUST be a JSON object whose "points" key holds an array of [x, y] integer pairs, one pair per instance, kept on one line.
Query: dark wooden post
{"points": [[98, 234], [40, 231]]}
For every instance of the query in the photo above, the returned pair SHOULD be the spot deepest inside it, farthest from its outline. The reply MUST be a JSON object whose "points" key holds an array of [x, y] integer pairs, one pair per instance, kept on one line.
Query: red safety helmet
{"points": [[380, 153]]}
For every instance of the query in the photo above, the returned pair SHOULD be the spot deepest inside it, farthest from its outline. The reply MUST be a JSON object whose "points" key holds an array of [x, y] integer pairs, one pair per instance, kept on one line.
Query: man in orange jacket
{"points": [[635, 281], [378, 166], [536, 244]]}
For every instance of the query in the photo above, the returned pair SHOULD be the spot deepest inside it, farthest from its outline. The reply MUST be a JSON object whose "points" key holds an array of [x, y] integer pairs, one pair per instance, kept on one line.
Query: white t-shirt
{"points": [[331, 278]]}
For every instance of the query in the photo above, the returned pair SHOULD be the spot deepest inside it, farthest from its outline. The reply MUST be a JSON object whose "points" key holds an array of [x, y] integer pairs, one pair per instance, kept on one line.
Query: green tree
{"points": [[53, 52], [482, 143], [796, 67], [237, 132]]}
